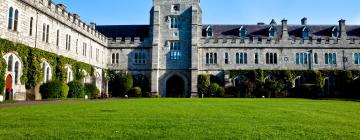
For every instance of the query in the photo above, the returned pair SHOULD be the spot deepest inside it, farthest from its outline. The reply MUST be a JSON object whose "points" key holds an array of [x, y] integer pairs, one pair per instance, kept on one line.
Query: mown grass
{"points": [[184, 119]]}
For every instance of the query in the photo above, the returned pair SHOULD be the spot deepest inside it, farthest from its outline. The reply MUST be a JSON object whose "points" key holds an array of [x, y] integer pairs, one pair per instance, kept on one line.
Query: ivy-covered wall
{"points": [[32, 59]]}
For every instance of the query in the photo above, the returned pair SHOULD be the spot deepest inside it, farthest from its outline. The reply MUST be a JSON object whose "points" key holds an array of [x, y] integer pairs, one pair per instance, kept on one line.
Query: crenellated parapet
{"points": [[72, 20], [126, 42]]}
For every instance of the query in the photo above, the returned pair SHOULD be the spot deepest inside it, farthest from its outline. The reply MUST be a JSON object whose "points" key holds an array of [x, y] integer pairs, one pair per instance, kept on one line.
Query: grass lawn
{"points": [[184, 119]]}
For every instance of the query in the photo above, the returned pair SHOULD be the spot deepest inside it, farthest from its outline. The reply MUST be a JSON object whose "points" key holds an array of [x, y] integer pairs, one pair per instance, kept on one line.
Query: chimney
{"points": [[61, 8], [342, 30], [260, 23], [304, 21], [285, 33], [93, 25]]}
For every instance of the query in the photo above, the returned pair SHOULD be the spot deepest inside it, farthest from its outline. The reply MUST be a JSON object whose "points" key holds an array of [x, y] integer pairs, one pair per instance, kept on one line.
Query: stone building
{"points": [[176, 46]]}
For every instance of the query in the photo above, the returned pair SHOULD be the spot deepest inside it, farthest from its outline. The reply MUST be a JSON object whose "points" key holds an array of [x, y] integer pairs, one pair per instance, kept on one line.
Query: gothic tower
{"points": [[175, 28]]}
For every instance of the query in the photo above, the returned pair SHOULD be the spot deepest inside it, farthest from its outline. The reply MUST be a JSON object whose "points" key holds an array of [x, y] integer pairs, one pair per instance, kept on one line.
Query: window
{"points": [[44, 33], [16, 20], [47, 72], [31, 26], [306, 32], [271, 58], [173, 22], [242, 32], [175, 52], [209, 31], [97, 55], [16, 72], [57, 37], [84, 49], [68, 42], [357, 58], [301, 58], [175, 7], [69, 75], [113, 58], [330, 58], [226, 58], [10, 63], [272, 31], [335, 32], [47, 78], [11, 18], [140, 58], [211, 58], [47, 33], [117, 58], [256, 58], [316, 59], [241, 58]]}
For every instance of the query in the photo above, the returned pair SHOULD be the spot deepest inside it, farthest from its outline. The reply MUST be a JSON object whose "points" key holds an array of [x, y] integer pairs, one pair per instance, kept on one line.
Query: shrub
{"points": [[203, 84], [2, 85], [92, 91], [274, 88], [54, 89], [136, 91], [213, 89], [221, 92], [247, 89], [121, 85], [232, 92], [76, 90], [310, 90], [147, 94]]}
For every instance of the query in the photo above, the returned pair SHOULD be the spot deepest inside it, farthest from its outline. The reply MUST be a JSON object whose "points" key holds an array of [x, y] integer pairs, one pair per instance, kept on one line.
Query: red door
{"points": [[8, 87]]}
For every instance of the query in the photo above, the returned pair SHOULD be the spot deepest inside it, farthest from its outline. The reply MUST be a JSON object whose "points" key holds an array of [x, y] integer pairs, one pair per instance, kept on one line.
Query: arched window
{"points": [[306, 33], [209, 31], [31, 26], [10, 62], [16, 72], [326, 58], [16, 20], [69, 74], [242, 32], [316, 60], [356, 58], [113, 58], [47, 78], [11, 17], [117, 58], [46, 72]]}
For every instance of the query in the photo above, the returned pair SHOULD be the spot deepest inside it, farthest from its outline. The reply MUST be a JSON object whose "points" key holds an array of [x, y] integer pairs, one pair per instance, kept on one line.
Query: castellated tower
{"points": [[175, 29]]}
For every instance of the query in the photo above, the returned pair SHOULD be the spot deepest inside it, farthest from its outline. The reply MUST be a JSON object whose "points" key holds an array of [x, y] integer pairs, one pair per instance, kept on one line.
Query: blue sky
{"points": [[125, 12]]}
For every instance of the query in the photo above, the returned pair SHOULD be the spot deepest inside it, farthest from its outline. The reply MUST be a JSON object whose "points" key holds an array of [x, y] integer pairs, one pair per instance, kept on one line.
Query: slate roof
{"points": [[229, 31], [113, 31]]}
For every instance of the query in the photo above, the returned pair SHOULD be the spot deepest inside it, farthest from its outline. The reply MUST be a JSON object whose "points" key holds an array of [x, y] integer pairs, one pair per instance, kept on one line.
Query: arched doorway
{"points": [[8, 88], [175, 87]]}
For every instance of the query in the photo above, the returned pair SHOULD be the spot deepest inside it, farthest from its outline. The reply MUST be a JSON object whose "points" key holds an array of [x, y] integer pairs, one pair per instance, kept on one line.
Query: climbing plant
{"points": [[32, 60]]}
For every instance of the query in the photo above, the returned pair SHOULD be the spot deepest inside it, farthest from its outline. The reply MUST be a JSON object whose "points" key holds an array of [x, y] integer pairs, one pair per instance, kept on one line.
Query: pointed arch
{"points": [[209, 31]]}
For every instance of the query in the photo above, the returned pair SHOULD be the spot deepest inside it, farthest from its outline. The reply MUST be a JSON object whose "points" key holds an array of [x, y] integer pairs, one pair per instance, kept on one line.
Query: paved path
{"points": [[29, 103]]}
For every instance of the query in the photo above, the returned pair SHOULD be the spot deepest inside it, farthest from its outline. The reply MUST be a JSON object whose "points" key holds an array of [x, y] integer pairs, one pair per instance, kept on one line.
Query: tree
{"points": [[203, 84], [247, 89]]}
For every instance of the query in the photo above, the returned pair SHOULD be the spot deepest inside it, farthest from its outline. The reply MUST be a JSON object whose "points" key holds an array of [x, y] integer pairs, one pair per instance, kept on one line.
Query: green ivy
{"points": [[32, 59]]}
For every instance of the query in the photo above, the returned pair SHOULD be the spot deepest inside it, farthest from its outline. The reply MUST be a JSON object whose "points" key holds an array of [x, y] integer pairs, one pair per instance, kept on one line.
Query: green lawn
{"points": [[184, 119]]}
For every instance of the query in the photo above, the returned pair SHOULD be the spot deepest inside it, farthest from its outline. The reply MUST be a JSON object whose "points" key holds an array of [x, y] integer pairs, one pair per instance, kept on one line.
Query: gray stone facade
{"points": [[177, 45]]}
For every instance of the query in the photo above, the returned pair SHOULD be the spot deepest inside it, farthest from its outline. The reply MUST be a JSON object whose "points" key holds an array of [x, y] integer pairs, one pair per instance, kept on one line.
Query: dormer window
{"points": [[209, 31], [305, 32], [242, 32], [272, 31], [334, 32]]}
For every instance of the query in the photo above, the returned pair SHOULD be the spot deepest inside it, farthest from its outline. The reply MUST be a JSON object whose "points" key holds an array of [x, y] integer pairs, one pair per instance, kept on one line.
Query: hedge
{"points": [[54, 89], [76, 90], [92, 91]]}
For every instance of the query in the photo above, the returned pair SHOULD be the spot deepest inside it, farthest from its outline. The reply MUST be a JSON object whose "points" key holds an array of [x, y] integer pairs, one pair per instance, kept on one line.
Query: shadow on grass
{"points": [[339, 99]]}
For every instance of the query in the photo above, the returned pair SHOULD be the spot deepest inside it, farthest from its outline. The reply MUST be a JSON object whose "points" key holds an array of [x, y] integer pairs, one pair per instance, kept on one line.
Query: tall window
{"points": [[11, 18], [47, 33], [31, 26], [316, 59], [226, 57], [97, 55], [140, 58], [175, 50], [301, 58], [117, 58], [357, 58], [57, 37], [10, 62], [84, 49], [68, 42], [241, 58], [272, 31], [306, 33], [256, 58], [271, 58], [16, 72], [44, 33], [16, 20], [209, 31], [211, 58], [330, 58], [173, 22], [113, 58]]}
